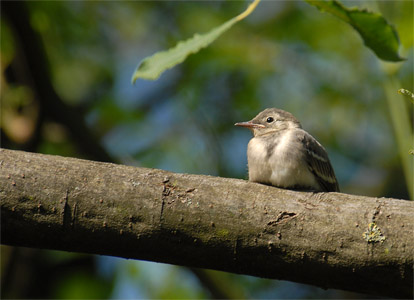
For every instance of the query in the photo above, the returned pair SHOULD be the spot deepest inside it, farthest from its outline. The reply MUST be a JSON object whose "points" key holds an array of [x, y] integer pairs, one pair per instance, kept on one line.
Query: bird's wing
{"points": [[319, 164]]}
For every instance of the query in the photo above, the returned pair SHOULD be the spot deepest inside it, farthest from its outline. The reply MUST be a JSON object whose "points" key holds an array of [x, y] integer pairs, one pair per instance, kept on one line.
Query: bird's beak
{"points": [[249, 124]]}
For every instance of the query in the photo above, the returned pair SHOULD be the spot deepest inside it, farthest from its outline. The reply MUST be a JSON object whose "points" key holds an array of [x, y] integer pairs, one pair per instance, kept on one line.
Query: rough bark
{"points": [[208, 222]]}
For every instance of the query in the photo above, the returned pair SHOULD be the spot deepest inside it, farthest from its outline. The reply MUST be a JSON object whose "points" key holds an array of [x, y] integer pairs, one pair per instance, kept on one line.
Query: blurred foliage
{"points": [[376, 32], [286, 54]]}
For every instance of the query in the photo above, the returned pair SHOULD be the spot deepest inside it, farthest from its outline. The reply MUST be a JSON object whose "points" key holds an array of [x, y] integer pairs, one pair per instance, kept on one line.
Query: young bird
{"points": [[282, 154]]}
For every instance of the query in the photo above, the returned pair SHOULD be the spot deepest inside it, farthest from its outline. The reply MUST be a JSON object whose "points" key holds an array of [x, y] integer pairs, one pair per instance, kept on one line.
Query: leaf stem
{"points": [[248, 11]]}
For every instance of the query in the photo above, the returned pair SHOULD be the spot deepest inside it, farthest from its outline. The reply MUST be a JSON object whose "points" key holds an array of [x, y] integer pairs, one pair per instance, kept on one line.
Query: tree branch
{"points": [[330, 240]]}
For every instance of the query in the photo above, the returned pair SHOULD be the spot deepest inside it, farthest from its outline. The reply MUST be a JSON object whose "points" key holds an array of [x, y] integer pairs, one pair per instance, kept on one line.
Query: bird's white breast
{"points": [[282, 166], [259, 169]]}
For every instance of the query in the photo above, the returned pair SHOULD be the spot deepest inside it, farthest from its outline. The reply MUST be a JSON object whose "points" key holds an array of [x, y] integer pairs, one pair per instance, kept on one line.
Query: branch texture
{"points": [[331, 240]]}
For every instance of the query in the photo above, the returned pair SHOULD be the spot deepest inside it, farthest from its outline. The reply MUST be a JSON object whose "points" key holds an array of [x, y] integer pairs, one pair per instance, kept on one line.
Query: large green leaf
{"points": [[377, 33], [153, 66]]}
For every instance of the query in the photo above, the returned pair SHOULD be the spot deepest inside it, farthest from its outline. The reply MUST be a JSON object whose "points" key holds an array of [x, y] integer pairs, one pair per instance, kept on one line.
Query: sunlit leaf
{"points": [[407, 93], [153, 66], [411, 95], [377, 33]]}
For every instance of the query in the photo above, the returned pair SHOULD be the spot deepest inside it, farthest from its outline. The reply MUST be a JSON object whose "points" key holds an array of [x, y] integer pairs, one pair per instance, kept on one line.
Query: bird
{"points": [[284, 155]]}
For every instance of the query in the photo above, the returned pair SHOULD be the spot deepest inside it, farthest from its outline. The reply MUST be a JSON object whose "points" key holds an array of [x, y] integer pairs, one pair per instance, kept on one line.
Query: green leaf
{"points": [[406, 93], [152, 67], [377, 33]]}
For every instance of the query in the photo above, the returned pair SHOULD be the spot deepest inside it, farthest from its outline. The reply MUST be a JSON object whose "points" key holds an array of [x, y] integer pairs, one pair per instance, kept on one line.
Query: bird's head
{"points": [[270, 120]]}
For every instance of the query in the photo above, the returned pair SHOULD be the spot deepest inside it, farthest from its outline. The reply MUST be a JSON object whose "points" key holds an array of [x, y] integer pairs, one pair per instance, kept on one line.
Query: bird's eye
{"points": [[269, 120]]}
